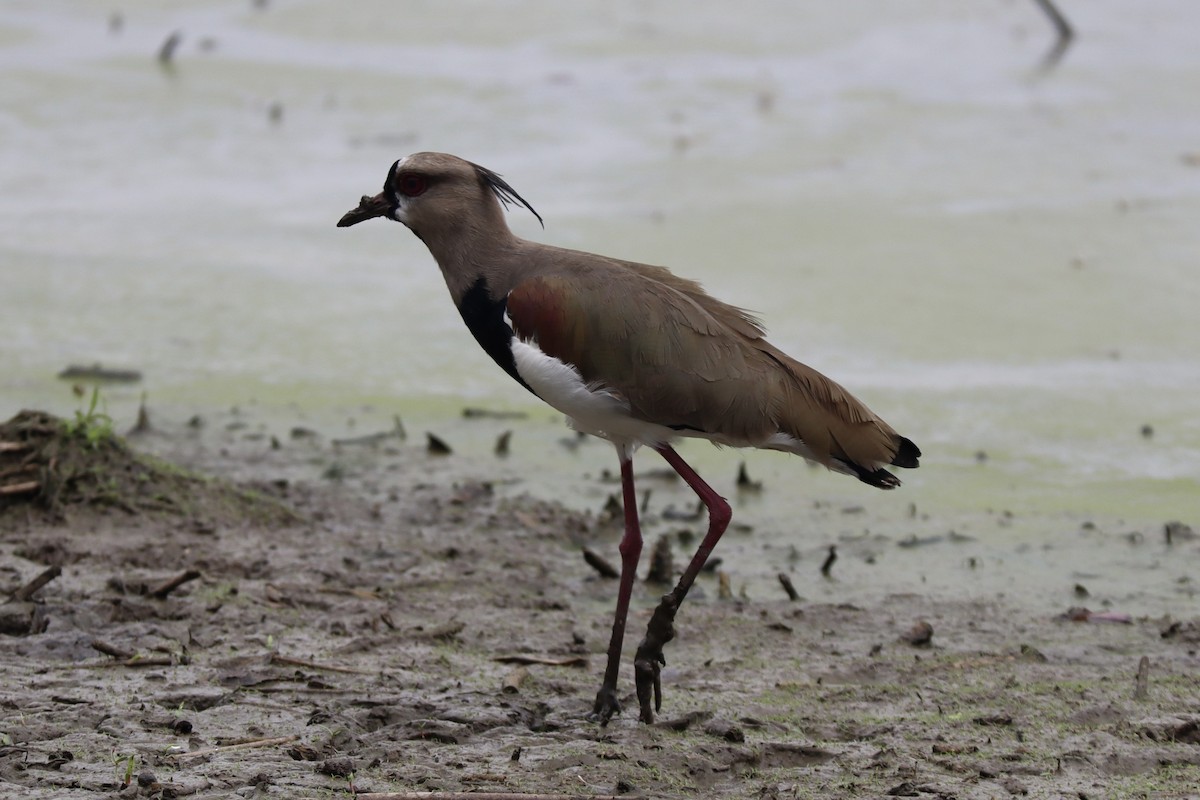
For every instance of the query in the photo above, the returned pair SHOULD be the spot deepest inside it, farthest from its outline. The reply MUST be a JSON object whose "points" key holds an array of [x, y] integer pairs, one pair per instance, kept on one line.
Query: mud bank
{"points": [[406, 626]]}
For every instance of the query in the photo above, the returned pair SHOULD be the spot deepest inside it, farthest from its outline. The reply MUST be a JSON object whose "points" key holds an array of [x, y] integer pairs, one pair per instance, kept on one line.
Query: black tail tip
{"points": [[879, 478], [907, 455]]}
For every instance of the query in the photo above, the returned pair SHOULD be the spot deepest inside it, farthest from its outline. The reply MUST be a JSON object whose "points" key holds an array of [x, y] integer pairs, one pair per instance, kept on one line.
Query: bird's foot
{"points": [[646, 671], [649, 660], [606, 705]]}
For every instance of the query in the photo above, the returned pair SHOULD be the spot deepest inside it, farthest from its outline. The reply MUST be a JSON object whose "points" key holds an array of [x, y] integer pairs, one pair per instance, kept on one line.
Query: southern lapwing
{"points": [[630, 353]]}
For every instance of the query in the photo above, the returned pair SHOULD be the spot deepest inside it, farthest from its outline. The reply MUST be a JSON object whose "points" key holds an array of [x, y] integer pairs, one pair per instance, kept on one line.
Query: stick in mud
{"points": [[484, 796], [133, 661], [300, 662], [164, 589], [30, 589], [786, 583], [662, 565], [20, 488], [744, 484], [1063, 32], [143, 419], [569, 661], [598, 563], [829, 559], [240, 746], [111, 650], [513, 680], [1141, 684], [724, 590]]}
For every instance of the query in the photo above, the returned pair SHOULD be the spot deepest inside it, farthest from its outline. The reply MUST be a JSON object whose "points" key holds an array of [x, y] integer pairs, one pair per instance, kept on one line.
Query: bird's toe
{"points": [[648, 677], [606, 705]]}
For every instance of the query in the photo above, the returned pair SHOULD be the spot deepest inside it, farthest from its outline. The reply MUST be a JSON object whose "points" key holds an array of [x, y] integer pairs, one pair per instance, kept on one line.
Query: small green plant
{"points": [[125, 766], [92, 426]]}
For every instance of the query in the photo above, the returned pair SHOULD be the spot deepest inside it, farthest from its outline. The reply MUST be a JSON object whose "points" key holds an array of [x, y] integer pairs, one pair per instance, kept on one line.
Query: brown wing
{"points": [[685, 360], [675, 363]]}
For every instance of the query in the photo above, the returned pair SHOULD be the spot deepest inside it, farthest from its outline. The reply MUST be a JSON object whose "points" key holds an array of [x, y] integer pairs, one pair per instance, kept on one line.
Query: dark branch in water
{"points": [[1064, 32]]}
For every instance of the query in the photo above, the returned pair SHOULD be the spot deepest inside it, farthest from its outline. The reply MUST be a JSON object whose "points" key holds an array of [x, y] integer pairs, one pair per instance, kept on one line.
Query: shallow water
{"points": [[999, 260]]}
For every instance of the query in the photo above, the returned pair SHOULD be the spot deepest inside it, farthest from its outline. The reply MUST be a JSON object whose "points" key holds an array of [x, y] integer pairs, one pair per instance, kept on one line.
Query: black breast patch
{"points": [[485, 319]]}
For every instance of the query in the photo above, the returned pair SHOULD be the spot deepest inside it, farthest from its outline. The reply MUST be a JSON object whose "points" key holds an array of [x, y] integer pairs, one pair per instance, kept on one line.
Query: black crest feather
{"points": [[505, 193]]}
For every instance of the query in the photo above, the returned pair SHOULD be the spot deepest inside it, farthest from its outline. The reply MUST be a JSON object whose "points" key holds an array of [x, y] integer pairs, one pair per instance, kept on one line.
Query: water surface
{"points": [[1000, 261]]}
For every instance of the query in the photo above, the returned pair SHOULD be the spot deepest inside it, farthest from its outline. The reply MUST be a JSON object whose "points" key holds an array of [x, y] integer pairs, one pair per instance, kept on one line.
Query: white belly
{"points": [[590, 408]]}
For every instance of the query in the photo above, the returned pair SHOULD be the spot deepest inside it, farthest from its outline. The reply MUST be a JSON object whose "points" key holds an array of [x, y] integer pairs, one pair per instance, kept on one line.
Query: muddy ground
{"points": [[352, 619]]}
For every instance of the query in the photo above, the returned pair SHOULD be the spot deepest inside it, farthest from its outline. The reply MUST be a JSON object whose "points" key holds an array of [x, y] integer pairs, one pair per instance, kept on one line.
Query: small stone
{"points": [[920, 635]]}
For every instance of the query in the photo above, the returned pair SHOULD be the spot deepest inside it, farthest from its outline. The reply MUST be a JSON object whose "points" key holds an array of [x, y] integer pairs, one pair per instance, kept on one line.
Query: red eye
{"points": [[411, 185]]}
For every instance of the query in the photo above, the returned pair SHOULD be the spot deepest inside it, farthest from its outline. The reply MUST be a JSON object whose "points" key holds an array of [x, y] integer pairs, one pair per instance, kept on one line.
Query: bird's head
{"points": [[428, 191]]}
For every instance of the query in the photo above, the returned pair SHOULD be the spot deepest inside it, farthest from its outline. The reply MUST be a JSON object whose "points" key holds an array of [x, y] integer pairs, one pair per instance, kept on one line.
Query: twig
{"points": [[829, 559], [111, 650], [30, 589], [296, 689], [662, 565], [786, 582], [1141, 686], [240, 746], [13, 447], [569, 661], [724, 591], [299, 662], [133, 661], [20, 488], [397, 432], [513, 680], [487, 796], [164, 589], [744, 483], [362, 594], [77, 372], [1062, 28], [23, 468], [1064, 34], [598, 563], [143, 419], [167, 51], [447, 631], [487, 413]]}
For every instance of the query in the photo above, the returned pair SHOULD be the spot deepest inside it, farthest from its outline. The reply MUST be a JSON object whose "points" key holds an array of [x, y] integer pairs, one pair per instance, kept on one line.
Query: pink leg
{"points": [[631, 548], [649, 659]]}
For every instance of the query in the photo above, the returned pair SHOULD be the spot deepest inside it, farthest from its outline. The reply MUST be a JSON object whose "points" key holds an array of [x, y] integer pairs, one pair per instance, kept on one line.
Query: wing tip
{"points": [[907, 455]]}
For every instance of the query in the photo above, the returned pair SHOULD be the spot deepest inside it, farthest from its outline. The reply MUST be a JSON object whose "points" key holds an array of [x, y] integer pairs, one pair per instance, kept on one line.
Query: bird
{"points": [[631, 353]]}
